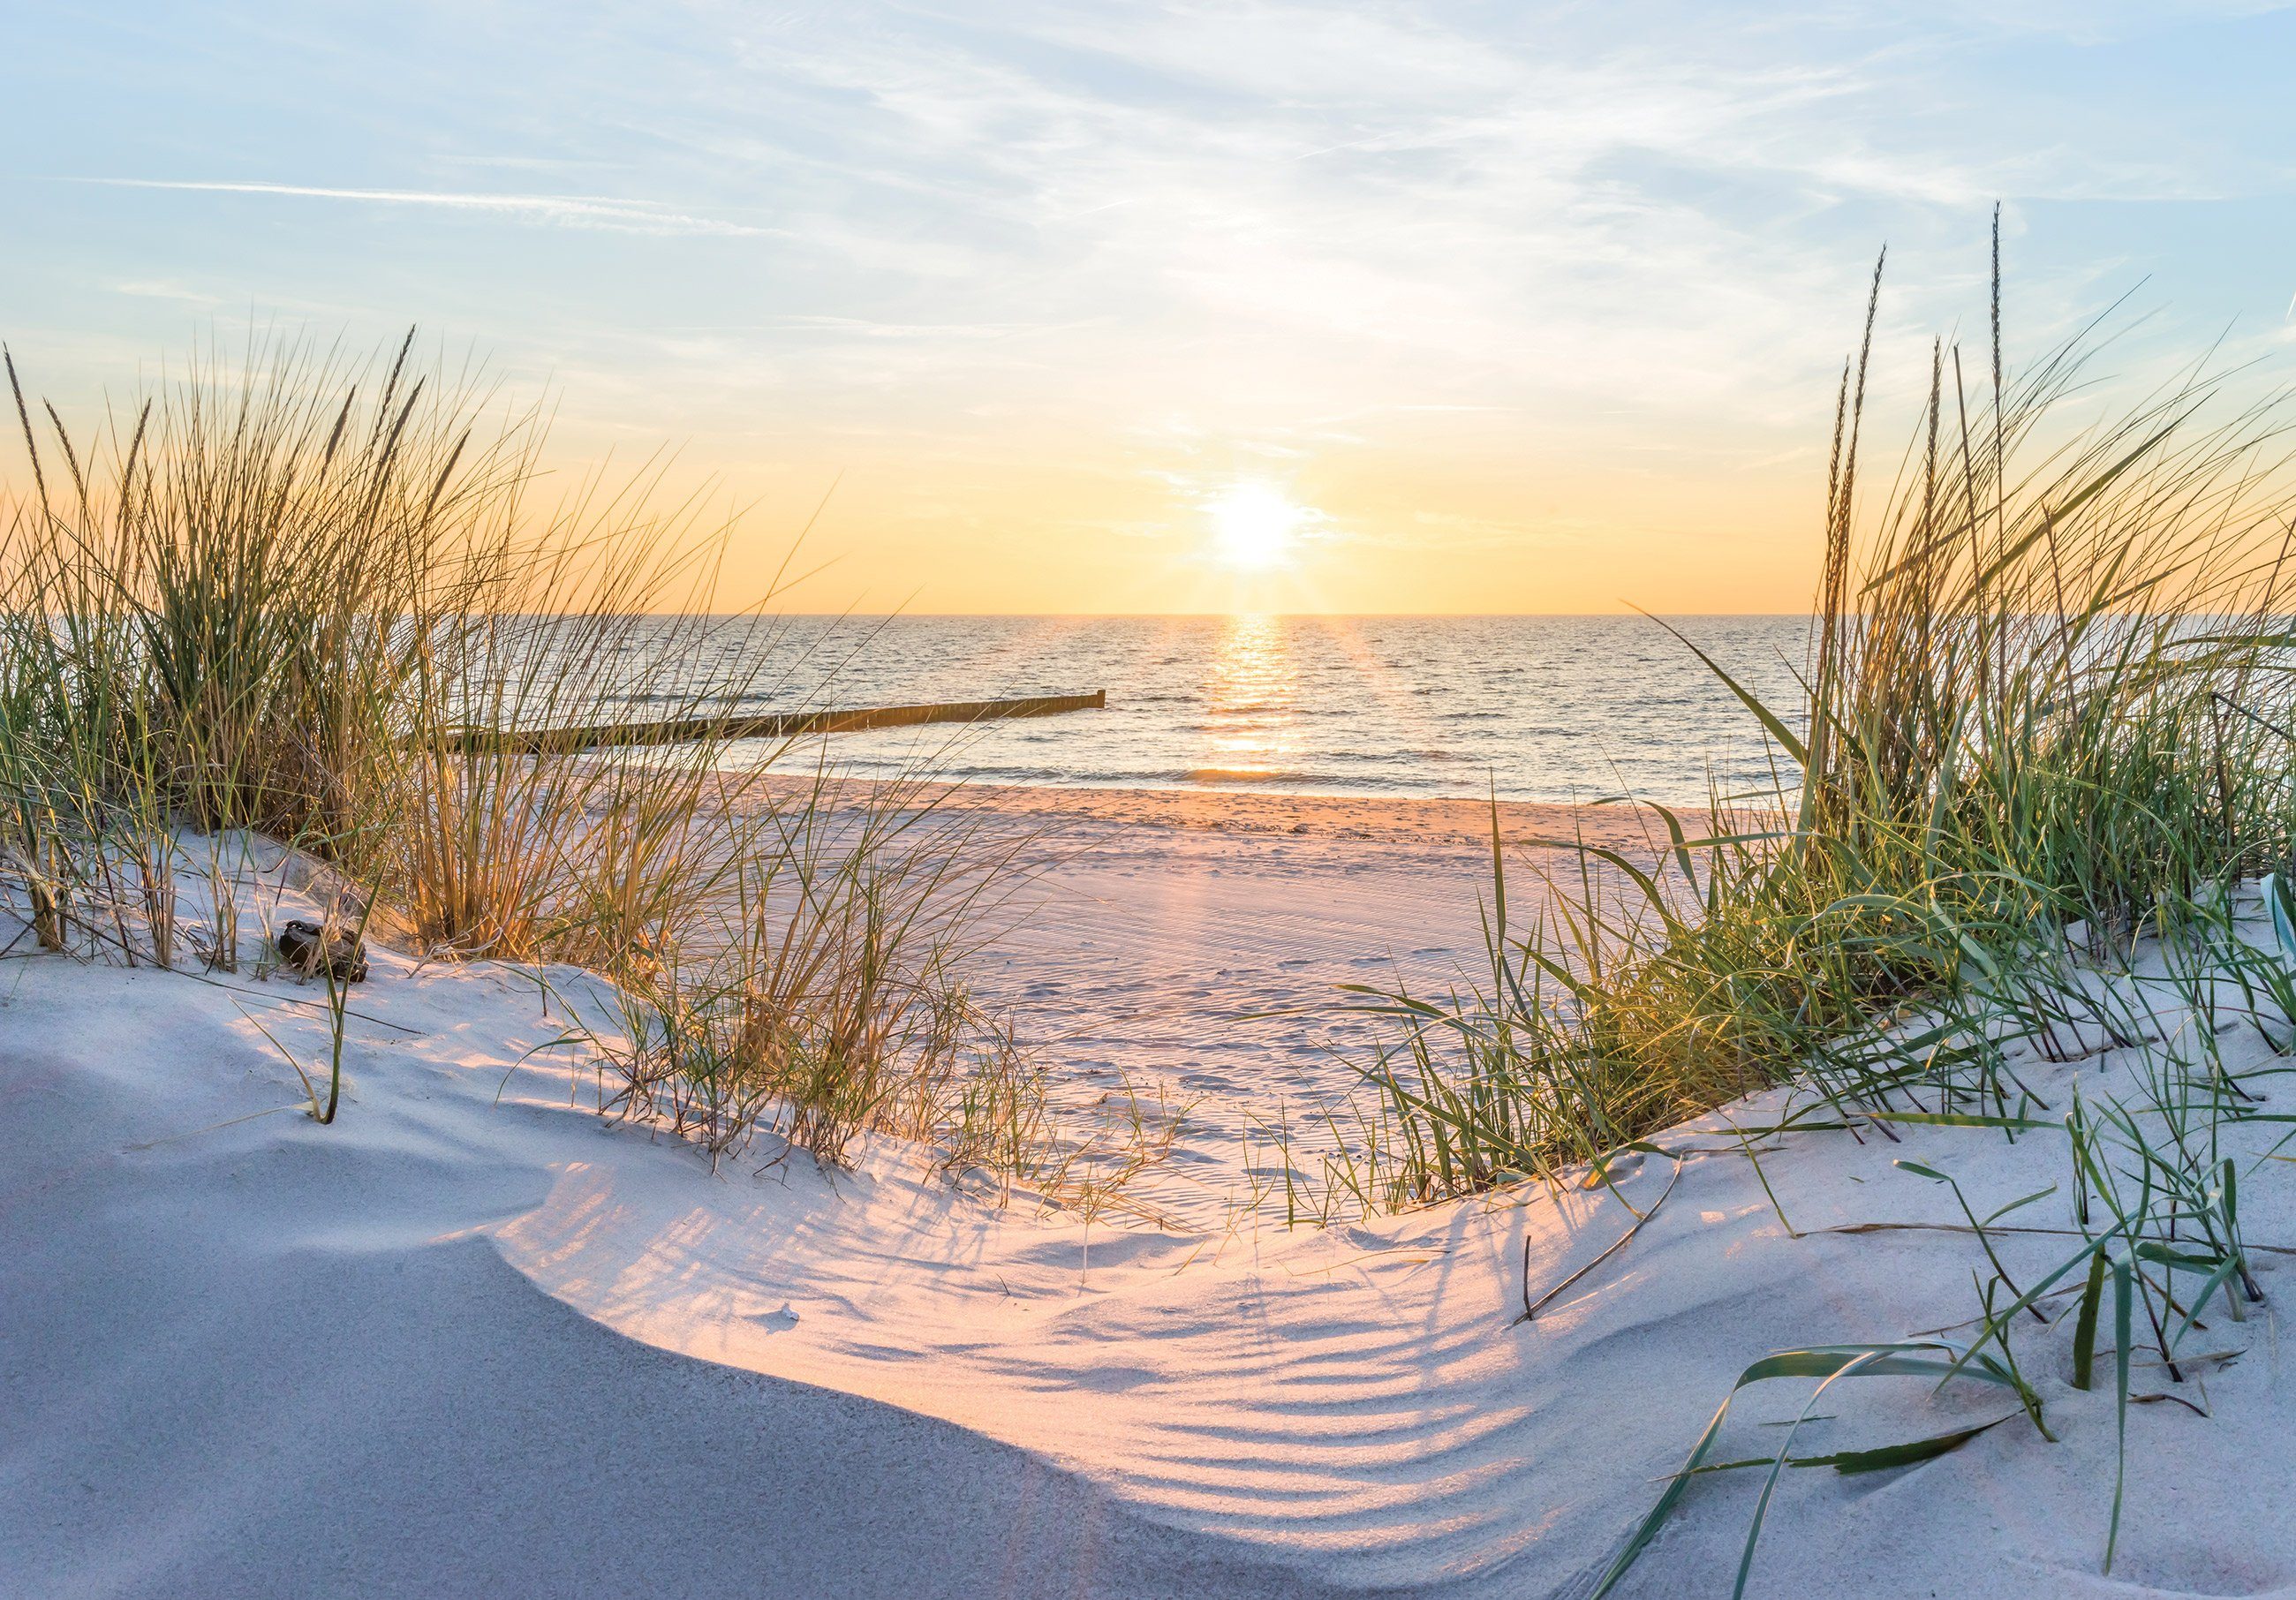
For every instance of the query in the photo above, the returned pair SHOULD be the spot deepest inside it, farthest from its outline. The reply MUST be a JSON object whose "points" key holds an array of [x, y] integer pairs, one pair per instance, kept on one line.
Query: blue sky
{"points": [[1523, 306]]}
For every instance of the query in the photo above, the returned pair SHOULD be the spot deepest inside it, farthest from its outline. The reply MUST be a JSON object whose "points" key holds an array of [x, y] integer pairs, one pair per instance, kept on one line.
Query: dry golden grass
{"points": [[282, 596]]}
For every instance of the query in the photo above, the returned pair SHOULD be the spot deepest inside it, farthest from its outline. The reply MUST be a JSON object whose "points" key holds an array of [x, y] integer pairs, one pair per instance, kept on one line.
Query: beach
{"points": [[1183, 951], [471, 1337], [1075, 803]]}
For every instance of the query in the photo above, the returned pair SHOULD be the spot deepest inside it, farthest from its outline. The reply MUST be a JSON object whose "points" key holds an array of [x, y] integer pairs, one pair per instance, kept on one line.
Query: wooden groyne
{"points": [[783, 724]]}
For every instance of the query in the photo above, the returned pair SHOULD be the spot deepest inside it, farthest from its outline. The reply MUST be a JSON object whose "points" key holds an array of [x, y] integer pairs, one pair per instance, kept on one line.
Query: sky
{"points": [[1163, 307]]}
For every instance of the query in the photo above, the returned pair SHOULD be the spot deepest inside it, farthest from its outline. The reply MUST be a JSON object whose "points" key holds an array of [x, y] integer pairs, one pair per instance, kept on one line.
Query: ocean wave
{"points": [[1246, 775]]}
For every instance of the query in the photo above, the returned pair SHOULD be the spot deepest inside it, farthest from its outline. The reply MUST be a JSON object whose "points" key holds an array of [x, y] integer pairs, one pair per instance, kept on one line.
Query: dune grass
{"points": [[2046, 732], [272, 596], [2046, 690]]}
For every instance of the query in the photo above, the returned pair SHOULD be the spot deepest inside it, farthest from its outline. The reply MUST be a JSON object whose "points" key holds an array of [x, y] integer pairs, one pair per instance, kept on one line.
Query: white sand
{"points": [[462, 1344], [1183, 950]]}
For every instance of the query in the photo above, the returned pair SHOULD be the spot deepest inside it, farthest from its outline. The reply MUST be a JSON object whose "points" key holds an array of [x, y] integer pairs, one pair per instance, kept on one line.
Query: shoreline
{"points": [[1433, 820]]}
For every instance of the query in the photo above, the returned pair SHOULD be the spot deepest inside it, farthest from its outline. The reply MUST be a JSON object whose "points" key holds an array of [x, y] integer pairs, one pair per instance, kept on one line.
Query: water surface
{"points": [[1546, 708]]}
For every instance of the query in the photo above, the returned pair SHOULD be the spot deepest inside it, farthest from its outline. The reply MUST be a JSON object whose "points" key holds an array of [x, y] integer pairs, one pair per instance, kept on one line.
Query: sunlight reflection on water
{"points": [[1248, 716]]}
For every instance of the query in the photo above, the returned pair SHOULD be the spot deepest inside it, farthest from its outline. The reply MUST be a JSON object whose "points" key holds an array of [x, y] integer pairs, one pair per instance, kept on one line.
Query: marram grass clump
{"points": [[279, 596], [2048, 688], [2046, 740]]}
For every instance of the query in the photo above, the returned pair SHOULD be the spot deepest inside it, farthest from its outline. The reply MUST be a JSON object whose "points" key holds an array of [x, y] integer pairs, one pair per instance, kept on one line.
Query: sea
{"points": [[1552, 709]]}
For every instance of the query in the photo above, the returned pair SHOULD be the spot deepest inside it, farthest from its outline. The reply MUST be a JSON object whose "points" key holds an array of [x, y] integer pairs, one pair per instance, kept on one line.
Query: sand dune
{"points": [[470, 1341]]}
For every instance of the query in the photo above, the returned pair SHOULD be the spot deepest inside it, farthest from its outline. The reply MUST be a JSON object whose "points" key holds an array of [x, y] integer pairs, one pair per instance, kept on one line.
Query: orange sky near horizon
{"points": [[1351, 532]]}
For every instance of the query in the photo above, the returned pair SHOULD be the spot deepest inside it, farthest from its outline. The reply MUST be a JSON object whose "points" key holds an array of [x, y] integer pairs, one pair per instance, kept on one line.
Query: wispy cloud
{"points": [[562, 211], [522, 163], [1463, 256], [165, 289]]}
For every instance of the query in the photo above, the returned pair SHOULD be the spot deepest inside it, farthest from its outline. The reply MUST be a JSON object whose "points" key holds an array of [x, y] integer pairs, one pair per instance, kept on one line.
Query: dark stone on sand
{"points": [[311, 949]]}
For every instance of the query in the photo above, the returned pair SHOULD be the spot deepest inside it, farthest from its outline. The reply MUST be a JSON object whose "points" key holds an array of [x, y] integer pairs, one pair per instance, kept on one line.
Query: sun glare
{"points": [[1255, 527]]}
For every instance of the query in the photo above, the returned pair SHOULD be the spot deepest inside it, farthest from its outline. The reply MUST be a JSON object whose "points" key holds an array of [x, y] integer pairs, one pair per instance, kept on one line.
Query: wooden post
{"points": [[784, 725]]}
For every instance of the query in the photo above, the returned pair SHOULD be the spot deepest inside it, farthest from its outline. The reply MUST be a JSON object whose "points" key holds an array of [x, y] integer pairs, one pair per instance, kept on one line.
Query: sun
{"points": [[1255, 525]]}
